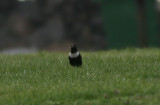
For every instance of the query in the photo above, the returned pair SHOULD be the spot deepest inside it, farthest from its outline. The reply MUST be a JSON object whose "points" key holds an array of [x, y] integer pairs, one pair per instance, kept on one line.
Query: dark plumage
{"points": [[75, 58]]}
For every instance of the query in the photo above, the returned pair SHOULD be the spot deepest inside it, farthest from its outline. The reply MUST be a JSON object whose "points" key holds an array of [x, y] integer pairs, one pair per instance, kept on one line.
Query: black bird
{"points": [[75, 58]]}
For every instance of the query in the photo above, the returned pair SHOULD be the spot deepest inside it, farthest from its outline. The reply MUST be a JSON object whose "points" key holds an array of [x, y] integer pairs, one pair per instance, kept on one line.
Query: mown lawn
{"points": [[125, 77]]}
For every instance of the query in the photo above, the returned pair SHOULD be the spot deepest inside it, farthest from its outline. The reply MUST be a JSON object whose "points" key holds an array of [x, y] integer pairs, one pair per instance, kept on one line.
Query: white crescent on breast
{"points": [[74, 55]]}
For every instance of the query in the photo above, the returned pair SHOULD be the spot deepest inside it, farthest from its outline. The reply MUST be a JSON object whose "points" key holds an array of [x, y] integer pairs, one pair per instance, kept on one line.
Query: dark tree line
{"points": [[45, 23]]}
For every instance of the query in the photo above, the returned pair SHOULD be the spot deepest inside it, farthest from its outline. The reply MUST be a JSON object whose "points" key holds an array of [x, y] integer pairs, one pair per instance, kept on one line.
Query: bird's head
{"points": [[73, 49]]}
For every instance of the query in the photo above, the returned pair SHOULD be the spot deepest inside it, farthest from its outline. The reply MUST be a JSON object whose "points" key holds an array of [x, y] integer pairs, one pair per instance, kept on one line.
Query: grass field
{"points": [[125, 77]]}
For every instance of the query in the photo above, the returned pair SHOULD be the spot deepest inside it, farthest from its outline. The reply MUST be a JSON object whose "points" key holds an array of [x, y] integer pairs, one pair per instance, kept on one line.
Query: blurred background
{"points": [[28, 26]]}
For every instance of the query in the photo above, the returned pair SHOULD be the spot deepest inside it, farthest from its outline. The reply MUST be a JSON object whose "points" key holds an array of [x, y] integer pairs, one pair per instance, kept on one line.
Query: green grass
{"points": [[125, 77]]}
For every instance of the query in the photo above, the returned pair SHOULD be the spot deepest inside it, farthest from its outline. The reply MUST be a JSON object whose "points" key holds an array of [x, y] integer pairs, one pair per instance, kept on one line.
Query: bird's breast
{"points": [[75, 55]]}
